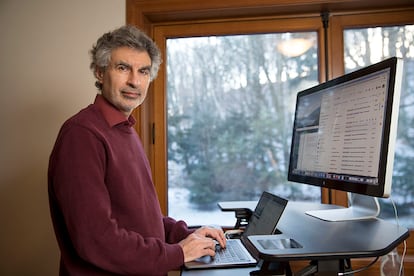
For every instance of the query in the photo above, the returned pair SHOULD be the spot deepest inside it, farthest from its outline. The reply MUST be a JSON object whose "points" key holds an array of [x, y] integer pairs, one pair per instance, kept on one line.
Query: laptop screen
{"points": [[266, 215]]}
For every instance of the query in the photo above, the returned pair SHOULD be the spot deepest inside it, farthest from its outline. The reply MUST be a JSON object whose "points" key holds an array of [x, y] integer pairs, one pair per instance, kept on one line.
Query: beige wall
{"points": [[44, 79]]}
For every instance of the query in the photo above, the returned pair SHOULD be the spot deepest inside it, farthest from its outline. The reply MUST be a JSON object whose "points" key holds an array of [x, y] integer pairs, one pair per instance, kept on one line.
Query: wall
{"points": [[44, 79]]}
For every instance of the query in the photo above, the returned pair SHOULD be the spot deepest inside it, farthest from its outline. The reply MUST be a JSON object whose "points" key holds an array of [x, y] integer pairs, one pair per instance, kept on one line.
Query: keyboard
{"points": [[232, 253]]}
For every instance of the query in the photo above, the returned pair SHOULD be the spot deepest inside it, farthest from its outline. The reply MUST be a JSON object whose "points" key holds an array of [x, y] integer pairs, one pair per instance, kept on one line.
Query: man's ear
{"points": [[99, 74]]}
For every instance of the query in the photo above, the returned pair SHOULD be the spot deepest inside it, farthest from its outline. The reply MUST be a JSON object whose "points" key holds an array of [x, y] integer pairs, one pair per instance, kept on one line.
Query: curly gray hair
{"points": [[125, 36]]}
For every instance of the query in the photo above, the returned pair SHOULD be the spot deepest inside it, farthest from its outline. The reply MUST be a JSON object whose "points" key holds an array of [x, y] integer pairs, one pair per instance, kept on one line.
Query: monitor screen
{"points": [[344, 131]]}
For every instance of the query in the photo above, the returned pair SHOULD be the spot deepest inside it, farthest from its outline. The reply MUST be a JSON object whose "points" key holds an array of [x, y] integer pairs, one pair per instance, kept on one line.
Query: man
{"points": [[103, 204]]}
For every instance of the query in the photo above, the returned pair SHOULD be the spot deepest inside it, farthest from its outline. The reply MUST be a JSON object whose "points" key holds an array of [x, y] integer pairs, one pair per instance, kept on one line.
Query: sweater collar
{"points": [[111, 114]]}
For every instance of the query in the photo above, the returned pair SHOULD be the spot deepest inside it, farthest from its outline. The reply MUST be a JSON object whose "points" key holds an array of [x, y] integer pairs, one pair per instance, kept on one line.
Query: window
{"points": [[230, 104], [170, 19]]}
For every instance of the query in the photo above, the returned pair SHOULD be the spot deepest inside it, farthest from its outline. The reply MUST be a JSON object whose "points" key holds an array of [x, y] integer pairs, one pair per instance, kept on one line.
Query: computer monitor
{"points": [[343, 138]]}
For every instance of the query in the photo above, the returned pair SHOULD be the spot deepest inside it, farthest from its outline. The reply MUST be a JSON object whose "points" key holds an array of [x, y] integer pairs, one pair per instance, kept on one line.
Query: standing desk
{"points": [[327, 244]]}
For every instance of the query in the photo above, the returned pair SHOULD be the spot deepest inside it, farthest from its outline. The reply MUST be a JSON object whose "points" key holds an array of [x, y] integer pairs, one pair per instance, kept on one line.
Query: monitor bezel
{"points": [[383, 189]]}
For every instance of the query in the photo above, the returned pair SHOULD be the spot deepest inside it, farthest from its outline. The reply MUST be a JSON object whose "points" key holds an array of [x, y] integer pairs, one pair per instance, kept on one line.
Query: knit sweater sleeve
{"points": [[175, 231]]}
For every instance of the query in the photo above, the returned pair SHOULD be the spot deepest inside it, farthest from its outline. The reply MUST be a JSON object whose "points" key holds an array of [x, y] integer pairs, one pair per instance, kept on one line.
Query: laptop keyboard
{"points": [[230, 254]]}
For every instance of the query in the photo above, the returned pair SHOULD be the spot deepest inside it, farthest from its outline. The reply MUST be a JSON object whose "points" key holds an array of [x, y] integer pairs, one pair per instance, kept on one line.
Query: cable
{"points": [[360, 269], [402, 258], [395, 211], [400, 271]]}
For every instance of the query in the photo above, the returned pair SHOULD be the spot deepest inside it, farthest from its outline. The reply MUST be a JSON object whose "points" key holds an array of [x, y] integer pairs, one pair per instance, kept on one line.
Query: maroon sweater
{"points": [[103, 204]]}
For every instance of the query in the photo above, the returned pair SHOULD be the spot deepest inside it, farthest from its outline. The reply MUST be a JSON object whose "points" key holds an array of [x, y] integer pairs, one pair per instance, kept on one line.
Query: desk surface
{"points": [[323, 240]]}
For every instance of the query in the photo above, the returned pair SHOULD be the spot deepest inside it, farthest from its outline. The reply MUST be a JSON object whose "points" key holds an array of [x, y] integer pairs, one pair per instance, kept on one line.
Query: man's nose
{"points": [[133, 79]]}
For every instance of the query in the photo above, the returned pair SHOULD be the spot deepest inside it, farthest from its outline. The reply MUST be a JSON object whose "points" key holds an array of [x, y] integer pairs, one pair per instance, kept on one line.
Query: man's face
{"points": [[126, 79]]}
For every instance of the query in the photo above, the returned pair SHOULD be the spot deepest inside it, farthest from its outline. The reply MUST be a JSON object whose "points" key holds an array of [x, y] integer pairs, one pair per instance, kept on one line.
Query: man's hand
{"points": [[202, 243], [214, 233]]}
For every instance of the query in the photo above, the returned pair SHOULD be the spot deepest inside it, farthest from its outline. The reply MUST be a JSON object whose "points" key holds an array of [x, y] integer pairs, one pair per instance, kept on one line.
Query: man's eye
{"points": [[144, 71], [122, 67]]}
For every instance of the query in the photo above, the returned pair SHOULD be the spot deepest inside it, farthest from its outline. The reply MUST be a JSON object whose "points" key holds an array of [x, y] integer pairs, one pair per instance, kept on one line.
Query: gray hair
{"points": [[125, 36]]}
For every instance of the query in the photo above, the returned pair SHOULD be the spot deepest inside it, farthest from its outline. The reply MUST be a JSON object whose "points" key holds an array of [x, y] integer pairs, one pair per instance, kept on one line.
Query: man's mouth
{"points": [[131, 94]]}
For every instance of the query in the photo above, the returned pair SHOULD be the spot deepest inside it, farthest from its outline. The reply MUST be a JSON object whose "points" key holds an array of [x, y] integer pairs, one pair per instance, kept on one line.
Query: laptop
{"points": [[263, 221]]}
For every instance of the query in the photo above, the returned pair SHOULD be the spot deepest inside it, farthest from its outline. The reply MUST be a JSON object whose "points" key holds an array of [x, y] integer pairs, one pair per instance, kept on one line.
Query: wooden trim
{"points": [[142, 12], [159, 119]]}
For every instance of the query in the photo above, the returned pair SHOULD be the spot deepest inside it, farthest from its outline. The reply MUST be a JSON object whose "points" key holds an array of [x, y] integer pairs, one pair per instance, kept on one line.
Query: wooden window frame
{"points": [[169, 18], [248, 26]]}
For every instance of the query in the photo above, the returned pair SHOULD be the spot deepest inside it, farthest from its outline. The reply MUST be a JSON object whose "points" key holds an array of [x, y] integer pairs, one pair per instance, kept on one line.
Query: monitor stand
{"points": [[360, 207]]}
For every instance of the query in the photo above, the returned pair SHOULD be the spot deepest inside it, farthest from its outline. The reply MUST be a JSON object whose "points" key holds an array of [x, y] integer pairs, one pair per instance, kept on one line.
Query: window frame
{"points": [[162, 33], [172, 18]]}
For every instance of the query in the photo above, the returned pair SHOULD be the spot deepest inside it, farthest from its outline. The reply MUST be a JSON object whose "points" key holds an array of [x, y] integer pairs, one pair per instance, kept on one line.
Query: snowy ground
{"points": [[179, 208]]}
